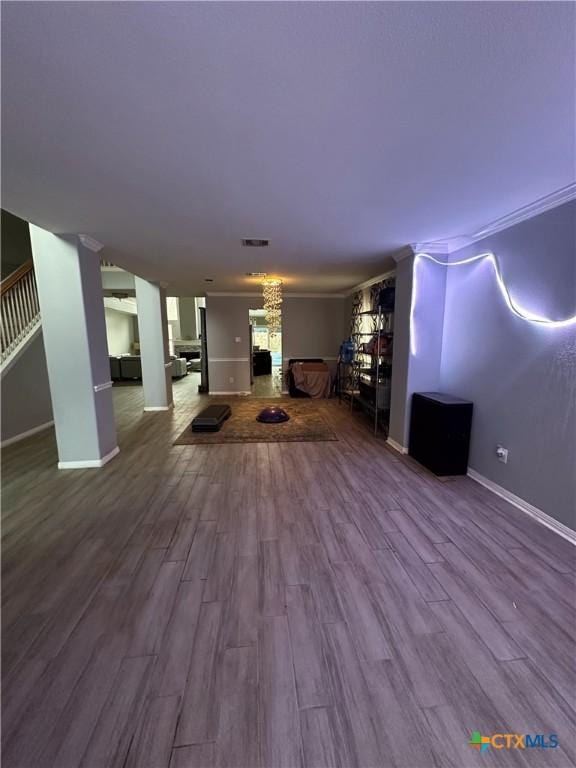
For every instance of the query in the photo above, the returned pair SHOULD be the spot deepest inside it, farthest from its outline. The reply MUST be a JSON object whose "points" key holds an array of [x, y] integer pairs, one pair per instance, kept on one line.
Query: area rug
{"points": [[307, 423]]}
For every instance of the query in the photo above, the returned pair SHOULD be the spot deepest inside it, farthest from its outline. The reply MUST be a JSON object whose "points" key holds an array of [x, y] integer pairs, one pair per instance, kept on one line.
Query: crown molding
{"points": [[403, 253], [91, 243], [247, 294], [543, 204], [377, 278], [525, 212], [440, 248]]}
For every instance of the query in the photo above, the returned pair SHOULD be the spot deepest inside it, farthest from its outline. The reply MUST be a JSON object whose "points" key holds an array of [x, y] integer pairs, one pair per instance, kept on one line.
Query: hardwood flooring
{"points": [[314, 605]]}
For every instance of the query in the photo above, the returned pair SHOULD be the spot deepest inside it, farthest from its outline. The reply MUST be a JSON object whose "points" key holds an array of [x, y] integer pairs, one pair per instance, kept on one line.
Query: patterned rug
{"points": [[307, 423]]}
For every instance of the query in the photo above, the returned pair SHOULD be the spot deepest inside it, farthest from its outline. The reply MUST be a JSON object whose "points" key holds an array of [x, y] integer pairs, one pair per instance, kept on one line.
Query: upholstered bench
{"points": [[211, 418]]}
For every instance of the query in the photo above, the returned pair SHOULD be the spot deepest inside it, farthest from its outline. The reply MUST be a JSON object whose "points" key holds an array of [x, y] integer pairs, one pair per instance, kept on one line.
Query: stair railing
{"points": [[20, 309]]}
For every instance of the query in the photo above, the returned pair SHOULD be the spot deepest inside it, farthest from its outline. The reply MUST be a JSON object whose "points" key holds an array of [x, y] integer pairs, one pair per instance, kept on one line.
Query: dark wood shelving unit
{"points": [[373, 366]]}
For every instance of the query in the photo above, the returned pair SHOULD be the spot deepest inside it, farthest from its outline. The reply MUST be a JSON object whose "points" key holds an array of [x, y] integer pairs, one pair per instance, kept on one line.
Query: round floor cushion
{"points": [[272, 415]]}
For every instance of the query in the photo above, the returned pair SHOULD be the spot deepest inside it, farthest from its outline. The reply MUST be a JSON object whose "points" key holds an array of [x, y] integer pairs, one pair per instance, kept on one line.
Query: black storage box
{"points": [[211, 418], [440, 432]]}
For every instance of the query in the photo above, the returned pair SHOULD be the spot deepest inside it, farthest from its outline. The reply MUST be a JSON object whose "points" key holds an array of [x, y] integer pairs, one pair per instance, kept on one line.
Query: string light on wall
{"points": [[272, 294], [514, 306]]}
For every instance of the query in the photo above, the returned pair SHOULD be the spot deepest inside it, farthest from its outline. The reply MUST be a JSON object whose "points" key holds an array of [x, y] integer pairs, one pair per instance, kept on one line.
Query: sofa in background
{"points": [[115, 374], [127, 367], [179, 367], [292, 388]]}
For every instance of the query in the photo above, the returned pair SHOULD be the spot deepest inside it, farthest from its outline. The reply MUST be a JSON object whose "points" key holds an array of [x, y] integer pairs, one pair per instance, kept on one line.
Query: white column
{"points": [[153, 332], [74, 329], [418, 331]]}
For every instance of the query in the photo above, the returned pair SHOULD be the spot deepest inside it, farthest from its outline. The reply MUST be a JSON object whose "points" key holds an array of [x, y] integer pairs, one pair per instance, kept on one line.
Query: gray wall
{"points": [[16, 248], [227, 319], [26, 400], [311, 327], [521, 377], [314, 327]]}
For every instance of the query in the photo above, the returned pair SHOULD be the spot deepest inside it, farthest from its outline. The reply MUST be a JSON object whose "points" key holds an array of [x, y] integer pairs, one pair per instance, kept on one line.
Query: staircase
{"points": [[20, 312]]}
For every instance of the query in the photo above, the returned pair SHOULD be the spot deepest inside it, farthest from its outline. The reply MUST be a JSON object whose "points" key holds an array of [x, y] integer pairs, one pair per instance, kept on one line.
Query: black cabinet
{"points": [[440, 432], [261, 362]]}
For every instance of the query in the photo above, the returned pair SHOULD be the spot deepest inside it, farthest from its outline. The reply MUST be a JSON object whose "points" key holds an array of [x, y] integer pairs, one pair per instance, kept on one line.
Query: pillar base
{"points": [[89, 463], [150, 408]]}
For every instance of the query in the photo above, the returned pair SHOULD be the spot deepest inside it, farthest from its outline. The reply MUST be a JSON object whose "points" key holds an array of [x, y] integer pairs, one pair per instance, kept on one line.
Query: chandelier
{"points": [[272, 294]]}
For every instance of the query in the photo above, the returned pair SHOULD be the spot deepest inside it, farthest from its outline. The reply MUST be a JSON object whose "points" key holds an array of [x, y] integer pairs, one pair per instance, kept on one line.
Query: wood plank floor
{"points": [[313, 604]]}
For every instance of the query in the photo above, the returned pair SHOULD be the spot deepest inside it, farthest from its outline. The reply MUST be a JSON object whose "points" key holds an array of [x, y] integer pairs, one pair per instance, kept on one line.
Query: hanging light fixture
{"points": [[272, 294]]}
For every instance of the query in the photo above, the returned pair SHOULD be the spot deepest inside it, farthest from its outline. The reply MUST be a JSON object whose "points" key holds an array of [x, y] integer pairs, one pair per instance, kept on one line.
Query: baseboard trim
{"points": [[397, 447], [525, 506], [28, 433], [235, 392], [89, 463], [154, 408]]}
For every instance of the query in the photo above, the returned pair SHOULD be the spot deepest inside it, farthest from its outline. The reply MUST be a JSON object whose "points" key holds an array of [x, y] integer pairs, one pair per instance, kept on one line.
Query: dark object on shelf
{"points": [[292, 388], [440, 432], [272, 415], [386, 298], [261, 362], [347, 351], [211, 418]]}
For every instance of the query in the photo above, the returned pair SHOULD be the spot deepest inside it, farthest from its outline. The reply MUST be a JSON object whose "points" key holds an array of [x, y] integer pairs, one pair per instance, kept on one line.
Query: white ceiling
{"points": [[342, 131]]}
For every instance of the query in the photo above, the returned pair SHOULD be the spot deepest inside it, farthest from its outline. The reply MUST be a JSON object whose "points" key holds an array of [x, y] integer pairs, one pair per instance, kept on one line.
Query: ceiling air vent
{"points": [[255, 242], [256, 274]]}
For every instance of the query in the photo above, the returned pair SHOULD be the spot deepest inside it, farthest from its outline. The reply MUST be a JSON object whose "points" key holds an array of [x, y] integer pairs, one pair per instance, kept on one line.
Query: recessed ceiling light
{"points": [[255, 242]]}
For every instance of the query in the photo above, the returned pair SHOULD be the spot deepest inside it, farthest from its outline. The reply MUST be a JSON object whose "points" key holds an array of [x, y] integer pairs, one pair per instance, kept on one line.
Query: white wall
{"points": [[119, 331], [187, 313], [418, 369]]}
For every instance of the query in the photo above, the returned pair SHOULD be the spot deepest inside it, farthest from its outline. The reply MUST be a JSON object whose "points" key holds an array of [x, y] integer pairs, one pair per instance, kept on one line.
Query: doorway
{"points": [[265, 356]]}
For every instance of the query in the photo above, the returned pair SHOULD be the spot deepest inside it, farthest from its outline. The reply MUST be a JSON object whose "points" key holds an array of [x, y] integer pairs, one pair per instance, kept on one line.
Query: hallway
{"points": [[312, 604]]}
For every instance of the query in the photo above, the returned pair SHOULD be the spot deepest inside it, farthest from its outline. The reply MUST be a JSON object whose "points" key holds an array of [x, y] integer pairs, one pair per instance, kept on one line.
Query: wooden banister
{"points": [[18, 274], [20, 310]]}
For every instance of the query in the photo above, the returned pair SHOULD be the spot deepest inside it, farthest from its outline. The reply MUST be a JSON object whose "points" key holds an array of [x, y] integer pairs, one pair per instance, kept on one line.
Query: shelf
{"points": [[374, 332], [368, 404], [372, 384], [372, 371], [375, 313]]}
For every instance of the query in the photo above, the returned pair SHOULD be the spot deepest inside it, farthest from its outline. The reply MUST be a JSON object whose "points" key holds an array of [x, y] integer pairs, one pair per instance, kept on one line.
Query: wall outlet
{"points": [[502, 454], [231, 380], [238, 339]]}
